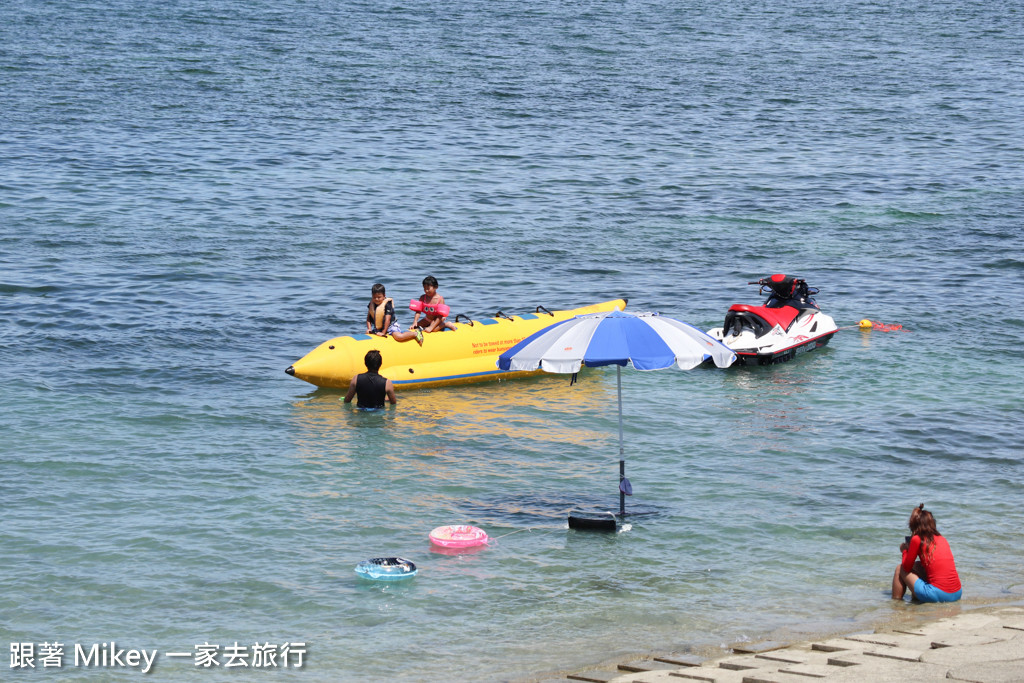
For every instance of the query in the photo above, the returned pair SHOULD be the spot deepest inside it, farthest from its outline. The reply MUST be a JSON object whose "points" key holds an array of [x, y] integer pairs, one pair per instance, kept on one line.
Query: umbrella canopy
{"points": [[648, 341]]}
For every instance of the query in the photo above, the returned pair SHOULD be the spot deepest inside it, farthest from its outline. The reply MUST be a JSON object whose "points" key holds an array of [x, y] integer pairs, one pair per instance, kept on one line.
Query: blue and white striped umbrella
{"points": [[648, 341]]}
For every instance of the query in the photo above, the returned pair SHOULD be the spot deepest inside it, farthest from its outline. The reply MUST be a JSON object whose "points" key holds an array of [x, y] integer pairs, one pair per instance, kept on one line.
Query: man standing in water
{"points": [[370, 386]]}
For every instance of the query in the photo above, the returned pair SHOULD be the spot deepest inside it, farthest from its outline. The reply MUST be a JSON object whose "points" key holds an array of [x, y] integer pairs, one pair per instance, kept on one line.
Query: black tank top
{"points": [[371, 390]]}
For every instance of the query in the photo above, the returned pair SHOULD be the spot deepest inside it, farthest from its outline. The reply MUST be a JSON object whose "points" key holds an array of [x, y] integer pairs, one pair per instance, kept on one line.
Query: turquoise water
{"points": [[194, 196]]}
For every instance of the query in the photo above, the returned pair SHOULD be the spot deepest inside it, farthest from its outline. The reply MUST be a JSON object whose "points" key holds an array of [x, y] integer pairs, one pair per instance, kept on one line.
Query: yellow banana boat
{"points": [[466, 354]]}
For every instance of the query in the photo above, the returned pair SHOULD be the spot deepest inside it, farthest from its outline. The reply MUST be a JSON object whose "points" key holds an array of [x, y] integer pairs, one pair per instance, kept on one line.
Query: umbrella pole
{"points": [[622, 458]]}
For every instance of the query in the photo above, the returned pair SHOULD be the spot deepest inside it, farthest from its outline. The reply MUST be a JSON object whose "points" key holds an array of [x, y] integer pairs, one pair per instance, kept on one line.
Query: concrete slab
{"points": [[646, 665], [754, 648], [701, 673], [912, 631], [1016, 623], [904, 640], [742, 663], [969, 622], [996, 631], [958, 624], [983, 647], [681, 660], [785, 657], [1011, 671], [775, 677], [878, 670], [594, 676], [902, 654], [961, 656], [709, 674], [809, 670], [839, 645], [968, 640], [662, 676], [848, 659]]}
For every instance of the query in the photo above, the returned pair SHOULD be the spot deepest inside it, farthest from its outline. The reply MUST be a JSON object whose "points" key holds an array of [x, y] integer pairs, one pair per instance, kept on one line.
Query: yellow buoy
{"points": [[865, 324]]}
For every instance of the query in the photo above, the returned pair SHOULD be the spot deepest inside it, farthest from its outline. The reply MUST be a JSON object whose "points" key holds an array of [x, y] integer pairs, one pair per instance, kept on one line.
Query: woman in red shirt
{"points": [[933, 577]]}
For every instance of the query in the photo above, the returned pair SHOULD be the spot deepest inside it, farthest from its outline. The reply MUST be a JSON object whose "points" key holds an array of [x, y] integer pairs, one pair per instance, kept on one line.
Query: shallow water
{"points": [[192, 198]]}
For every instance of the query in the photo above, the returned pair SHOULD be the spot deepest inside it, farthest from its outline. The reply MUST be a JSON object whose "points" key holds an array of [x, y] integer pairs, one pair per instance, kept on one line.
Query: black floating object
{"points": [[592, 522]]}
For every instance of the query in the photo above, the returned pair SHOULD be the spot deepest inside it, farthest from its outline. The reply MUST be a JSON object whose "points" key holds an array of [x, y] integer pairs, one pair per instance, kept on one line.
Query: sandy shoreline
{"points": [[960, 641]]}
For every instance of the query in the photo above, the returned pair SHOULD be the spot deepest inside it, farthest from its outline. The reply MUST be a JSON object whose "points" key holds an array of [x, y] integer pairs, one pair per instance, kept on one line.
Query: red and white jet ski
{"points": [[788, 323]]}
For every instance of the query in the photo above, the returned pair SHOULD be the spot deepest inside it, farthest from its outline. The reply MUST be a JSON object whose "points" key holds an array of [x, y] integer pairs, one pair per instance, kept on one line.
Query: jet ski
{"points": [[789, 322]]}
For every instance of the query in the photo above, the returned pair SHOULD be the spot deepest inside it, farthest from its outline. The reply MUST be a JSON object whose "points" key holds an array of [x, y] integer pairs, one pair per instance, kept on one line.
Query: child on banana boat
{"points": [[380, 313], [433, 309], [432, 321], [380, 317]]}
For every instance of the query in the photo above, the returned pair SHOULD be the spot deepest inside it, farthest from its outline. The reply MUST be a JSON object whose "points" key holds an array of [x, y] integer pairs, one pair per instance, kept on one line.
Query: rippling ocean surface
{"points": [[193, 195]]}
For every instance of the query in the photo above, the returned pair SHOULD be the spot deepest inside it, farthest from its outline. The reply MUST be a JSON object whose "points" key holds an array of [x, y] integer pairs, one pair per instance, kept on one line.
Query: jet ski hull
{"points": [[783, 355]]}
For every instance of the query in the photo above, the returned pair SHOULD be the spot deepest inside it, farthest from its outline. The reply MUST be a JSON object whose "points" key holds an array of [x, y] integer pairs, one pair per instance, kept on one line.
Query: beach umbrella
{"points": [[647, 341]]}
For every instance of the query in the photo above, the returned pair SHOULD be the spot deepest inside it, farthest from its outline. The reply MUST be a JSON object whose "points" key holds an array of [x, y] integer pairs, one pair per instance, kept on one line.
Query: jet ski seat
{"points": [[759, 318]]}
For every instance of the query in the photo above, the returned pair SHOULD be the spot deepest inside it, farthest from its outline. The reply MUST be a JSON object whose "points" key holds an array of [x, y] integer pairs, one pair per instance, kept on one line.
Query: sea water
{"points": [[194, 195]]}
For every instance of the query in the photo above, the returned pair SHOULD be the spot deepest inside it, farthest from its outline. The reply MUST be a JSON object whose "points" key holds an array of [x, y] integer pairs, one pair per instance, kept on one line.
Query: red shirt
{"points": [[938, 564]]}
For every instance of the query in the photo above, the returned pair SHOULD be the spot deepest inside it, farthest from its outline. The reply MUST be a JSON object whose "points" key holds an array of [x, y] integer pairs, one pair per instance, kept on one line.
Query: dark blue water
{"points": [[193, 196]]}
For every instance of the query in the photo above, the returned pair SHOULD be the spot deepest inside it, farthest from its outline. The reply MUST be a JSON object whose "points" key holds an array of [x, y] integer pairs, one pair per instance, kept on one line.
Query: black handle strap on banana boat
{"points": [[463, 316], [501, 314], [541, 308]]}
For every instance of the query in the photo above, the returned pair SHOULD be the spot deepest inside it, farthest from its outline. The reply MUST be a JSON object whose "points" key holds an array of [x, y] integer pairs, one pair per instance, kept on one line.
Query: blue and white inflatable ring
{"points": [[386, 569]]}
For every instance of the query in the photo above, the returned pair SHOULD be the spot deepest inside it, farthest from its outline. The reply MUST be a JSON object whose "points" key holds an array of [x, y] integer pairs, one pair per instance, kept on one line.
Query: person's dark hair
{"points": [[922, 523], [373, 360], [430, 280], [377, 289]]}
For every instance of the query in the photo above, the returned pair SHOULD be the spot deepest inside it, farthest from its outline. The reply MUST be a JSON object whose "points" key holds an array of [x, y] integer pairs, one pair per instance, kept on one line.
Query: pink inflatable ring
{"points": [[458, 536], [418, 306]]}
